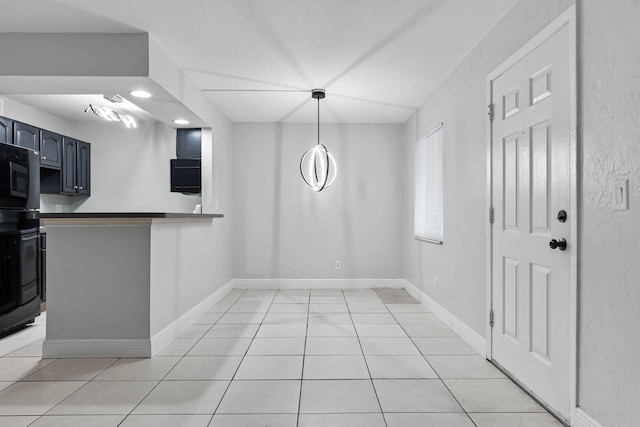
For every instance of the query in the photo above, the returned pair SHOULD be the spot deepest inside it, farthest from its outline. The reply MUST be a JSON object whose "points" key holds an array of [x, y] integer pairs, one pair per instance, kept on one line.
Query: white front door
{"points": [[531, 167]]}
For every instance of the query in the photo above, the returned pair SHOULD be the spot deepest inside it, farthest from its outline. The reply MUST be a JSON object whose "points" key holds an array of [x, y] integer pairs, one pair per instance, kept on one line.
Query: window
{"points": [[428, 187]]}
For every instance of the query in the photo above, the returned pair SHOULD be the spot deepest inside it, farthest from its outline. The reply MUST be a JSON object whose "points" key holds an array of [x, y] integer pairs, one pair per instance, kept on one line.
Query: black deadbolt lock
{"points": [[562, 215]]}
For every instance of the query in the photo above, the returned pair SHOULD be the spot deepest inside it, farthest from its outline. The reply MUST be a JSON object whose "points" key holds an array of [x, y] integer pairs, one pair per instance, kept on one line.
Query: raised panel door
{"points": [[6, 130], [531, 184], [26, 136], [68, 184], [83, 168], [50, 149]]}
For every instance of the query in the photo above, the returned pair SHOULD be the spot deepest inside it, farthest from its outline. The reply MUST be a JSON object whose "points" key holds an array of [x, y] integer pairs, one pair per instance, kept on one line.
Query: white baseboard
{"points": [[317, 283], [475, 340], [582, 419], [471, 337], [166, 335], [147, 348], [61, 349]]}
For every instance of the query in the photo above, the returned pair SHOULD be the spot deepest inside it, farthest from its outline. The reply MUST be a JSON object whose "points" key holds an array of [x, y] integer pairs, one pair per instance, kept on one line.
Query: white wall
{"points": [[609, 150], [129, 169], [74, 54], [609, 372], [184, 265], [220, 199], [197, 258], [130, 172], [284, 229], [26, 114], [82, 283], [460, 103]]}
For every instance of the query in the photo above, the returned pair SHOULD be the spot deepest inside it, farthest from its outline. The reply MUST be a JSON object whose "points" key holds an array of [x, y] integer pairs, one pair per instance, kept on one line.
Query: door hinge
{"points": [[491, 317], [491, 215], [491, 111]]}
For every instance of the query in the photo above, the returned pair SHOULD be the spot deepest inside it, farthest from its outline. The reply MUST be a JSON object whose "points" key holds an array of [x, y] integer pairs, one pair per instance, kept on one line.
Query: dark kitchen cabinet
{"points": [[6, 130], [76, 167], [65, 163], [188, 143], [83, 168], [69, 159], [26, 136], [50, 149]]}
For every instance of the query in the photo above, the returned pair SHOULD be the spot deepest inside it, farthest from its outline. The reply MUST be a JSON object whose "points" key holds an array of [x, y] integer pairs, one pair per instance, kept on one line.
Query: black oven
{"points": [[19, 178], [19, 281], [19, 249]]}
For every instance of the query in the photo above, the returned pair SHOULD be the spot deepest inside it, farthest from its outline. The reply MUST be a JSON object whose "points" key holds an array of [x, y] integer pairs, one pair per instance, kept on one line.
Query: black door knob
{"points": [[558, 244]]}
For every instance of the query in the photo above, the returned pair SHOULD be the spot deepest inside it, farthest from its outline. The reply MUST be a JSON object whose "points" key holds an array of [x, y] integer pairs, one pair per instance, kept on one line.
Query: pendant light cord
{"points": [[318, 121]]}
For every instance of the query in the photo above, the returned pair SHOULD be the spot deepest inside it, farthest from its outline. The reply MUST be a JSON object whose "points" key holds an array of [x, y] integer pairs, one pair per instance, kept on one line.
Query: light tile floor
{"points": [[288, 358]]}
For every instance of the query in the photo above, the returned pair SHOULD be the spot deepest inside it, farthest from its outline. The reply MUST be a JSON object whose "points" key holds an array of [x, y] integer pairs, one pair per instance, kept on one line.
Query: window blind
{"points": [[428, 187]]}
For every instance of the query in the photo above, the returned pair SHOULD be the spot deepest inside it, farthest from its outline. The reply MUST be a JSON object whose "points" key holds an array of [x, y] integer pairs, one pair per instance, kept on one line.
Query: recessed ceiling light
{"points": [[140, 94], [181, 122]]}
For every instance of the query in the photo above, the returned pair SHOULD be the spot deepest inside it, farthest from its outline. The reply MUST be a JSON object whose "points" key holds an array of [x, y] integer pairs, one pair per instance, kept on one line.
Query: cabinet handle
{"points": [[80, 188], [44, 157], [75, 187]]}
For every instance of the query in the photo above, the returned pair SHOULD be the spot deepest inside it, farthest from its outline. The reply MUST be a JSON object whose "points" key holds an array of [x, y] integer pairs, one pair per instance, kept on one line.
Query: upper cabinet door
{"points": [[6, 130], [26, 136], [68, 184], [188, 143], [83, 168], [50, 149]]}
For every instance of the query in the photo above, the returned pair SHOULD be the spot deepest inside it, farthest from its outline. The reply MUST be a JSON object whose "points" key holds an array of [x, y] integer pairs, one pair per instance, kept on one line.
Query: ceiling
{"points": [[257, 60], [69, 106]]}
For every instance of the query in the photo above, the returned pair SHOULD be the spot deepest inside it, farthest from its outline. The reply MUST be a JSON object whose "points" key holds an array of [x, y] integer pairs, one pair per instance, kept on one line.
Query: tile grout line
{"points": [[181, 358], [226, 390], [202, 337], [436, 372], [375, 391], [70, 394], [304, 356]]}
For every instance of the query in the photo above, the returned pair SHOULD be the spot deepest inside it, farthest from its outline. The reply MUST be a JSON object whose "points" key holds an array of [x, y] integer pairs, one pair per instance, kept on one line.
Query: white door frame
{"points": [[566, 19]]}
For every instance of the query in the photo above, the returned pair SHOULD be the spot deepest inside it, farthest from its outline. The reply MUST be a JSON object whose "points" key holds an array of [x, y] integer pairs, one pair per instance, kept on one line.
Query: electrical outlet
{"points": [[58, 208], [435, 284], [217, 205], [338, 265]]}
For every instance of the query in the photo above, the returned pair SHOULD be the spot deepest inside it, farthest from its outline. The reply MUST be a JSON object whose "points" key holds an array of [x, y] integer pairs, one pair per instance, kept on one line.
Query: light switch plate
{"points": [[621, 195]]}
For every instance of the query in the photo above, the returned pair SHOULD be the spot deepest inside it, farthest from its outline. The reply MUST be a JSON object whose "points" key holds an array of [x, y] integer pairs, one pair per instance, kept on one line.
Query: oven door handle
{"points": [[26, 237]]}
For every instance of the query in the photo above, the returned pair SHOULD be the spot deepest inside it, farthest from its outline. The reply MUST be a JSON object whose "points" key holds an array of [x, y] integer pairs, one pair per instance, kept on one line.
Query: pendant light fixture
{"points": [[317, 166]]}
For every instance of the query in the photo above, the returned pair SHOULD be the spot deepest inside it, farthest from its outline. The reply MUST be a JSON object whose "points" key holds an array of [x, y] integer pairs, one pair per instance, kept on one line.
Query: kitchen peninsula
{"points": [[122, 284]]}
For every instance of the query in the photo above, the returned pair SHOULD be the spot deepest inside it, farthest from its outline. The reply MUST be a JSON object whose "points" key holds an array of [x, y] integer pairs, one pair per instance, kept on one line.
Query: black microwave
{"points": [[19, 178], [186, 176]]}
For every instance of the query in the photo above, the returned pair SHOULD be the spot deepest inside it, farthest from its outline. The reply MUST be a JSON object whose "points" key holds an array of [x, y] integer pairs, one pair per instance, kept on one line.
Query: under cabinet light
{"points": [[181, 122]]}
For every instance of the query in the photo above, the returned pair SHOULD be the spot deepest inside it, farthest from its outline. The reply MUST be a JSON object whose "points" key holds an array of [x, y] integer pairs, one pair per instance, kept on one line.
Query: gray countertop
{"points": [[125, 215]]}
